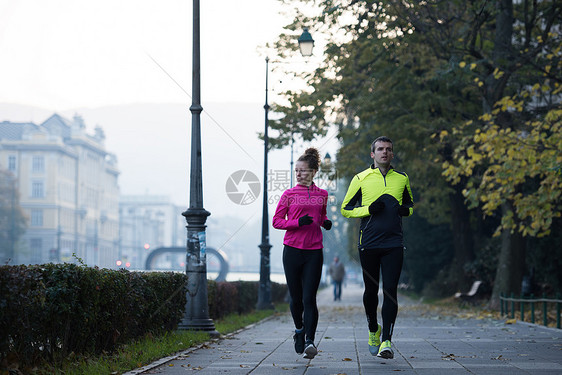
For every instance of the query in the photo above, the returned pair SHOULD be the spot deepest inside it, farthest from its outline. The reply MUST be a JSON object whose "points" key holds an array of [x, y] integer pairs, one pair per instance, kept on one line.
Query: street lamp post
{"points": [[291, 169], [264, 292], [196, 314], [306, 43]]}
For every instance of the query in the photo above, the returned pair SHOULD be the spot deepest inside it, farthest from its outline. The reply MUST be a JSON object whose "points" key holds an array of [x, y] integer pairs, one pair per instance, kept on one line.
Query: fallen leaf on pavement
{"points": [[499, 358]]}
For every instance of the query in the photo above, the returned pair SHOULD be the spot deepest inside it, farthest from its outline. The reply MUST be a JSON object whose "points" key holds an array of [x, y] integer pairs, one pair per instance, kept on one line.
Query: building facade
{"points": [[149, 222], [68, 184]]}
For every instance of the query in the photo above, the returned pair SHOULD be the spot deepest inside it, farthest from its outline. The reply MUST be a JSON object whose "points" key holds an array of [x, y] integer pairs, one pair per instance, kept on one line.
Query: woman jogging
{"points": [[301, 212]]}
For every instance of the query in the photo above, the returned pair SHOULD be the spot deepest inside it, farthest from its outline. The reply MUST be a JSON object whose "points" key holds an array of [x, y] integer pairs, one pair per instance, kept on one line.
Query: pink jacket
{"points": [[295, 203]]}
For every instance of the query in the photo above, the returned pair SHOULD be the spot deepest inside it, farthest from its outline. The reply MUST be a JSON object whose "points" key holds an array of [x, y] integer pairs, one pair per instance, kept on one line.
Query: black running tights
{"points": [[303, 270], [389, 263]]}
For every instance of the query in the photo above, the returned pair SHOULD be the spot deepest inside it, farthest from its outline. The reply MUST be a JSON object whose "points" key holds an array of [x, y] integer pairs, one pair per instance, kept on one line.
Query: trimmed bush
{"points": [[238, 297], [48, 311]]}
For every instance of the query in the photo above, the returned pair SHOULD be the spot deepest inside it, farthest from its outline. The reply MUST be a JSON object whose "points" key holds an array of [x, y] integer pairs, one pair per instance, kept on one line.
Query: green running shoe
{"points": [[375, 341], [385, 351]]}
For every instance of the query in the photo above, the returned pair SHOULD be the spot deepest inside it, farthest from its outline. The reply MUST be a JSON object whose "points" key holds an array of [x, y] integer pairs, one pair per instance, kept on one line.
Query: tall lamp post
{"points": [[291, 169], [306, 43], [264, 292], [196, 314]]}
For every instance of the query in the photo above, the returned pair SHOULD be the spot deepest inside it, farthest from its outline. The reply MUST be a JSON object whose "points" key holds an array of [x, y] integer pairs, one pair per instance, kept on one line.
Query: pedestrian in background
{"points": [[301, 211], [337, 273], [380, 196]]}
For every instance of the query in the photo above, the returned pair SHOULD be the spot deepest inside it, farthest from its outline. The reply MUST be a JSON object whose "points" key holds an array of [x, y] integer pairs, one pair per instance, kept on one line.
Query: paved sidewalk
{"points": [[422, 344]]}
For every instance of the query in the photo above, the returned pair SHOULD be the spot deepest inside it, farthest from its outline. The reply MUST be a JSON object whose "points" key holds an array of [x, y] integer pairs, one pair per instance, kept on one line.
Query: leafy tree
{"points": [[525, 173], [13, 222], [497, 156], [412, 70], [336, 239], [387, 80], [427, 251], [546, 260]]}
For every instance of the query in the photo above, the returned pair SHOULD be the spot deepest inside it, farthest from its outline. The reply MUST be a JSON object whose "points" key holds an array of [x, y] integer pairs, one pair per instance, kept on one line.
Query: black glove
{"points": [[327, 224], [376, 207], [403, 211], [305, 220]]}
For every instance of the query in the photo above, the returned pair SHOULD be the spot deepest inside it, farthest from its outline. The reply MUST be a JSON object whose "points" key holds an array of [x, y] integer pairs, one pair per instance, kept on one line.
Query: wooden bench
{"points": [[471, 293]]}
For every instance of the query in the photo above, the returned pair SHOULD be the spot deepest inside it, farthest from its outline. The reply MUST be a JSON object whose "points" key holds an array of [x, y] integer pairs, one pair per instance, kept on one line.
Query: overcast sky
{"points": [[101, 58], [69, 56], [62, 54]]}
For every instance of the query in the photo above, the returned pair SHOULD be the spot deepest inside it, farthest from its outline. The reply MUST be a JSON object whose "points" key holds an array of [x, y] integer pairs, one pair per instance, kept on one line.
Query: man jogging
{"points": [[380, 196]]}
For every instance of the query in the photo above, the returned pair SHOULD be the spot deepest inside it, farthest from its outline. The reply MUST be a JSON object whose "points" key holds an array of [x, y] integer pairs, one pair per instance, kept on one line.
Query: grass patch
{"points": [[150, 348], [234, 322]]}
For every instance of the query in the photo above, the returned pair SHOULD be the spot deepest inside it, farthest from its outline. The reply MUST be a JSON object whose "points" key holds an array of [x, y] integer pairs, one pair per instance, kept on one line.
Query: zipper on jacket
{"points": [[384, 176], [361, 231], [360, 236]]}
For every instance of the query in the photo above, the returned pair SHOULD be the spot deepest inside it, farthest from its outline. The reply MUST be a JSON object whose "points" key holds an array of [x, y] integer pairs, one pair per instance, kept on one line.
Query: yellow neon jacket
{"points": [[383, 230]]}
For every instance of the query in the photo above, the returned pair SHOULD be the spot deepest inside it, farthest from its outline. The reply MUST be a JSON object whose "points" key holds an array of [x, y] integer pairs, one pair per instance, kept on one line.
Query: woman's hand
{"points": [[305, 220]]}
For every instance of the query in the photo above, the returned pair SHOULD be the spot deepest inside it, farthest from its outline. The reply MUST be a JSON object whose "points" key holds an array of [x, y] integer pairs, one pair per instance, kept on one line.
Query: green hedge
{"points": [[49, 311], [238, 297]]}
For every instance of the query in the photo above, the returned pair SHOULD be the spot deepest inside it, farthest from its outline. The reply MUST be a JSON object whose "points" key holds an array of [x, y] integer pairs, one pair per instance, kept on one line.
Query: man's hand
{"points": [[403, 211], [305, 220], [376, 207], [327, 224]]}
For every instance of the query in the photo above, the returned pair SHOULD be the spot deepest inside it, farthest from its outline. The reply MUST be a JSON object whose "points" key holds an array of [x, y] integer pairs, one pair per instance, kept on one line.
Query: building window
{"points": [[38, 164], [36, 218], [37, 190], [12, 163], [36, 246]]}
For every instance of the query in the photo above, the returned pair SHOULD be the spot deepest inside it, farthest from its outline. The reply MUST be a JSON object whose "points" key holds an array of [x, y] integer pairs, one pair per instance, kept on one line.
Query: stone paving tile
{"points": [[423, 345]]}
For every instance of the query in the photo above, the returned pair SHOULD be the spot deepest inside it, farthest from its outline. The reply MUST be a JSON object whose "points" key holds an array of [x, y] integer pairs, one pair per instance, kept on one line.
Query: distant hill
{"points": [[23, 113]]}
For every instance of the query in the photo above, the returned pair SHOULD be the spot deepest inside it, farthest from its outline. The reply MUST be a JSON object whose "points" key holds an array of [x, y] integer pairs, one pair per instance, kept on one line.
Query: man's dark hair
{"points": [[381, 139]]}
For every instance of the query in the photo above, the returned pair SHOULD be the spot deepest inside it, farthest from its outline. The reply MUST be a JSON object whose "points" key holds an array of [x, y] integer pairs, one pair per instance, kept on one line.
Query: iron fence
{"points": [[523, 301]]}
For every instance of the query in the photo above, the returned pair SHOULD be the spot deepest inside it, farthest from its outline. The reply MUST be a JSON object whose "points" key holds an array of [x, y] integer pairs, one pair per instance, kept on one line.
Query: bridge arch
{"points": [[212, 255]]}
